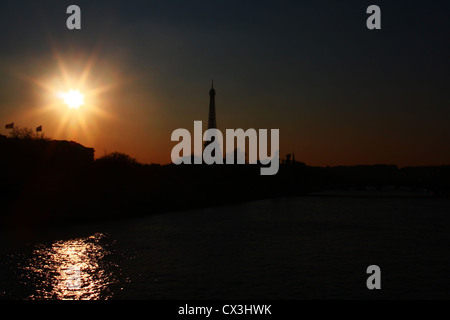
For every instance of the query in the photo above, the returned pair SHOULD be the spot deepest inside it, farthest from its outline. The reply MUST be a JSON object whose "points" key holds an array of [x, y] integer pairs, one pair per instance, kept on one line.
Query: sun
{"points": [[77, 95], [74, 99]]}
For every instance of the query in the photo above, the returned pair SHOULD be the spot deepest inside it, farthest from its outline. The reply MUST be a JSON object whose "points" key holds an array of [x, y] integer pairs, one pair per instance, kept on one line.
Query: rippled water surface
{"points": [[75, 269], [289, 248], [71, 269]]}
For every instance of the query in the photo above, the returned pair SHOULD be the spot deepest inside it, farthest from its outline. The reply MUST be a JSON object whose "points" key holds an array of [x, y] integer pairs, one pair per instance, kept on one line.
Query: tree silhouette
{"points": [[118, 158], [25, 134]]}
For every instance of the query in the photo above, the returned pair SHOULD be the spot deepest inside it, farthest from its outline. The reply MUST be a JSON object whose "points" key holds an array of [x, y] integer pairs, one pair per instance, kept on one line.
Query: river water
{"points": [[287, 248]]}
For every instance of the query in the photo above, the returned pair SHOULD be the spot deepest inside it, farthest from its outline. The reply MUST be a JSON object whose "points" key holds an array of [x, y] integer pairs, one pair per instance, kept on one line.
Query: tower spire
{"points": [[212, 112], [212, 107]]}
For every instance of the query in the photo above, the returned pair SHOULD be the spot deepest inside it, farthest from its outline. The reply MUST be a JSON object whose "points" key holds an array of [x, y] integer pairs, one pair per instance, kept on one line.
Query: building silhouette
{"points": [[46, 154]]}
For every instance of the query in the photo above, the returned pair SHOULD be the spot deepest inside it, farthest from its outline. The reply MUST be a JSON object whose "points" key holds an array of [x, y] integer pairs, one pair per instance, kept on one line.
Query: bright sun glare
{"points": [[73, 98], [83, 98]]}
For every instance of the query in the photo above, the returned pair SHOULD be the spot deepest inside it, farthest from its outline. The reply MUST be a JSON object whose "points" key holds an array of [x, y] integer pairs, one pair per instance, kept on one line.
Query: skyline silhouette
{"points": [[14, 131]]}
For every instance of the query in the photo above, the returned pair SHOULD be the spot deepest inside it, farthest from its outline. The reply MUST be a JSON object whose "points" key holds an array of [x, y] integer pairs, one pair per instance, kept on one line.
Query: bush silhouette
{"points": [[118, 158]]}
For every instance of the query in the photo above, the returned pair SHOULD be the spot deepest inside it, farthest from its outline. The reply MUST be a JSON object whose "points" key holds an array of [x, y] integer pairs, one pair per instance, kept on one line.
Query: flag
{"points": [[39, 129], [10, 126]]}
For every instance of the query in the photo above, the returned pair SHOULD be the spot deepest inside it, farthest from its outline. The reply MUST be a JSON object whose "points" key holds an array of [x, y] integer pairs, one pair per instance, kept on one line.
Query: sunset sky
{"points": [[339, 93]]}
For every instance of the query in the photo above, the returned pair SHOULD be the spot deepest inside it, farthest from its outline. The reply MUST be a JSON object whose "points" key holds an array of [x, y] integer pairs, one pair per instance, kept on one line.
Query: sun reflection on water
{"points": [[72, 270]]}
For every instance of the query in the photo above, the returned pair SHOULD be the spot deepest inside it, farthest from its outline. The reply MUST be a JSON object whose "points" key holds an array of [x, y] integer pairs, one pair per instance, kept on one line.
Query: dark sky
{"points": [[339, 93]]}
